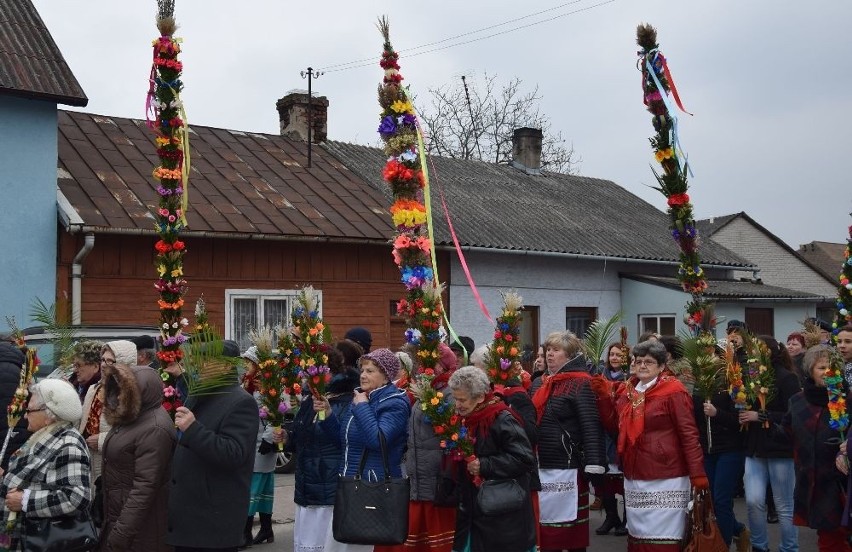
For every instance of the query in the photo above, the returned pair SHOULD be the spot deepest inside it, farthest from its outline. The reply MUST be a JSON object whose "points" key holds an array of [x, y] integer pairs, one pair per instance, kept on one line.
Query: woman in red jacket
{"points": [[660, 452]]}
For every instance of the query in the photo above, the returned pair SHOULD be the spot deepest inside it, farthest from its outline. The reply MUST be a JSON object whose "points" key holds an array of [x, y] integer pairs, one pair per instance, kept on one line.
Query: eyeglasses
{"points": [[108, 361], [648, 363], [31, 410]]}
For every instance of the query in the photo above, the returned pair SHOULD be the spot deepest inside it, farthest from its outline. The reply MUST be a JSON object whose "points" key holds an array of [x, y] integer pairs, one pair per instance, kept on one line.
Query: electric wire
{"points": [[372, 61]]}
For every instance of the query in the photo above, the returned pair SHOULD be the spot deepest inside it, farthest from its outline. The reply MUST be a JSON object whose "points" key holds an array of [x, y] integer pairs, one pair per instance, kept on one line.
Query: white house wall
{"points": [[551, 283], [778, 267], [641, 298]]}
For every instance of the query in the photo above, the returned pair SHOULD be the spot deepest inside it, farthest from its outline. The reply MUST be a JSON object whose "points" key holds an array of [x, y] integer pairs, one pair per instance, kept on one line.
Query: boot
{"points": [[265, 533], [621, 530], [247, 538], [610, 506]]}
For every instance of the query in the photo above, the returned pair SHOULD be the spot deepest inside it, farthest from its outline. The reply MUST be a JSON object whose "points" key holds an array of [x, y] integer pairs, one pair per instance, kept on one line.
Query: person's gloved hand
{"points": [[700, 482], [265, 447]]}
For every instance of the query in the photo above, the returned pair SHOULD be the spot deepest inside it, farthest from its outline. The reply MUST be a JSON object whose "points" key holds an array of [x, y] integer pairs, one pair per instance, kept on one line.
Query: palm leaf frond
{"points": [[208, 369], [56, 324], [599, 335], [707, 368]]}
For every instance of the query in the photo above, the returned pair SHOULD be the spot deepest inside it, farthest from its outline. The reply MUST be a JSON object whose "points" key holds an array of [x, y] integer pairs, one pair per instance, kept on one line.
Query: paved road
{"points": [[283, 525]]}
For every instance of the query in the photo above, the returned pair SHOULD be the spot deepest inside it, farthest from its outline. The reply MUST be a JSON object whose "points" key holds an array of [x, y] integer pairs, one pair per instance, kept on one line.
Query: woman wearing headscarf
{"points": [[137, 456], [94, 424], [430, 527], [820, 486], [50, 475], [660, 453], [263, 473], [377, 406], [570, 444], [501, 452]]}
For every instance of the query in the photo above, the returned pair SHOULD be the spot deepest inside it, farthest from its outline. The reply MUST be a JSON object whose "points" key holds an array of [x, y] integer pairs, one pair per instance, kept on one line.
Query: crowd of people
{"points": [[562, 428]]}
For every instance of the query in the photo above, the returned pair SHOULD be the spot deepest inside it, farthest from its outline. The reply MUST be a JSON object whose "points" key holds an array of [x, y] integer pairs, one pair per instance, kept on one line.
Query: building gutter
{"points": [[586, 256], [77, 279]]}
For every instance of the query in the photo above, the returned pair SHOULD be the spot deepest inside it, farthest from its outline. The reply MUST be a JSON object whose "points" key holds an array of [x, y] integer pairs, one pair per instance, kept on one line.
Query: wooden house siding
{"points": [[358, 282]]}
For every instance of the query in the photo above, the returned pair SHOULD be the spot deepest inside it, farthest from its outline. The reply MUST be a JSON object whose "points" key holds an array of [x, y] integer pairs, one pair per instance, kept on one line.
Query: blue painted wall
{"points": [[28, 205]]}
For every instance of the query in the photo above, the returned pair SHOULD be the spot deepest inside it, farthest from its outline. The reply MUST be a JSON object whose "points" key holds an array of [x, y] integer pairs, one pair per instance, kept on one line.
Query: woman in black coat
{"points": [[501, 452], [820, 487], [571, 446]]}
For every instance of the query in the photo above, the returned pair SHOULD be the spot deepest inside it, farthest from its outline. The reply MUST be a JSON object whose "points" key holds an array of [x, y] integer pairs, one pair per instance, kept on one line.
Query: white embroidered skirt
{"points": [[656, 509], [311, 528]]}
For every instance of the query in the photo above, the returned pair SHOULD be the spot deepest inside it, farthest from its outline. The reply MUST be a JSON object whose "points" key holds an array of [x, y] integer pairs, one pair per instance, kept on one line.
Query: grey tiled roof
{"points": [[500, 207], [31, 64], [731, 289]]}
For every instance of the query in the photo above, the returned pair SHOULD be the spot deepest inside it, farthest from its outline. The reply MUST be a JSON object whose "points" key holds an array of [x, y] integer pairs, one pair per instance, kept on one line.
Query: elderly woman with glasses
{"points": [[86, 370], [659, 450], [49, 476], [94, 424]]}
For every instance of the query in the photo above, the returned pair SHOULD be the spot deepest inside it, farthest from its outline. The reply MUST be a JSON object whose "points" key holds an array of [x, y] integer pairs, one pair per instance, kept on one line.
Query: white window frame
{"points": [[261, 295], [657, 317]]}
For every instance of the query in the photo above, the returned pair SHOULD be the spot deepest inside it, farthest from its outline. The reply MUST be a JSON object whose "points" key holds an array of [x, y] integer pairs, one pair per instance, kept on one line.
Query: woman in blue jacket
{"points": [[377, 406]]}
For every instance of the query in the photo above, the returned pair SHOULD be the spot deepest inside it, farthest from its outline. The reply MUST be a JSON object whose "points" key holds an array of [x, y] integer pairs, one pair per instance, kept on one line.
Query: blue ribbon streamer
{"points": [[670, 107]]}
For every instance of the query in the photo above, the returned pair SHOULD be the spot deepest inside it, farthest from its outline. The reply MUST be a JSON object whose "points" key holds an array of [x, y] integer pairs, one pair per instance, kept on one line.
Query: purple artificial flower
{"points": [[284, 407], [387, 127], [408, 120], [263, 413], [505, 364]]}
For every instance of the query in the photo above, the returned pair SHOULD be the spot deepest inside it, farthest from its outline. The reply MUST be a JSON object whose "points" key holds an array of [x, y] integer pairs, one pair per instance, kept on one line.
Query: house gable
{"points": [[779, 264]]}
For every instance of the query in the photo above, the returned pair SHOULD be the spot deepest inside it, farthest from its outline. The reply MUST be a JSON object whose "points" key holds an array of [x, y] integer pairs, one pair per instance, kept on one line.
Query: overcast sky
{"points": [[769, 81]]}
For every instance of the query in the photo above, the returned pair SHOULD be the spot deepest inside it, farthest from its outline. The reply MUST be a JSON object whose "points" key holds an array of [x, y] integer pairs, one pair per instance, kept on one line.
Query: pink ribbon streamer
{"points": [[459, 252]]}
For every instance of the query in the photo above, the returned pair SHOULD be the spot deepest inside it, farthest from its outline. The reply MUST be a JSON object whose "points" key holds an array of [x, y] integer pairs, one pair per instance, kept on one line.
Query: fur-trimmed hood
{"points": [[122, 397]]}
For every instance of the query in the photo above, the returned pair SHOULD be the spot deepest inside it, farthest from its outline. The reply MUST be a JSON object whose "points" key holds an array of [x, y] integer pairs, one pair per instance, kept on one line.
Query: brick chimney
{"points": [[293, 116], [526, 150]]}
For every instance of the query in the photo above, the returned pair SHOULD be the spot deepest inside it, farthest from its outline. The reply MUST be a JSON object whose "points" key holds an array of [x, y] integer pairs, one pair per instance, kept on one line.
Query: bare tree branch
{"points": [[484, 129]]}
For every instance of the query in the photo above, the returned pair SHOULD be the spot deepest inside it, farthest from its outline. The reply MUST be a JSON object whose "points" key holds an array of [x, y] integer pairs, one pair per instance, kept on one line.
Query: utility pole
{"points": [[310, 74], [472, 120]]}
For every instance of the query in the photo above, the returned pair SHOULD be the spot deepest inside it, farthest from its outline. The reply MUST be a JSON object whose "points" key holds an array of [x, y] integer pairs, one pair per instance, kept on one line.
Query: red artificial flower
{"points": [[676, 200], [179, 245], [162, 247]]}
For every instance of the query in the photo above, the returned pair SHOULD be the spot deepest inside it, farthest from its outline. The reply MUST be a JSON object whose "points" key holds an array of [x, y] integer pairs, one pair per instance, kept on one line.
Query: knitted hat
{"points": [[124, 351], [386, 360], [250, 354], [361, 336], [405, 361], [447, 358], [60, 398]]}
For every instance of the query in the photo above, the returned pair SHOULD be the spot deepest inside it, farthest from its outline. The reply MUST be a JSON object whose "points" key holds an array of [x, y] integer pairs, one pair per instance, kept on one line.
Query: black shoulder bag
{"points": [[371, 512]]}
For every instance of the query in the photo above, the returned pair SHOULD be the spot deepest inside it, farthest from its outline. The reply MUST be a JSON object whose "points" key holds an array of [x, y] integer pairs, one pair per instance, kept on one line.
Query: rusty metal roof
{"points": [[31, 64], [242, 184]]}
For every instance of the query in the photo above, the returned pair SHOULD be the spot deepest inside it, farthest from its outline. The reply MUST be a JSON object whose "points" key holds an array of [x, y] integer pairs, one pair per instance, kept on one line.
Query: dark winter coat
{"points": [[137, 457], [761, 442], [572, 407], [317, 453], [424, 455], [724, 426], [358, 429], [11, 361], [820, 487], [521, 403], [504, 453], [211, 470]]}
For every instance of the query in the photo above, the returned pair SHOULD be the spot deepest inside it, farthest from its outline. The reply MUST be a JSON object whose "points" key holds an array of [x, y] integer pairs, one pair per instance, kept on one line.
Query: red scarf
{"points": [[249, 381], [480, 420], [631, 414], [441, 380], [507, 391], [543, 394]]}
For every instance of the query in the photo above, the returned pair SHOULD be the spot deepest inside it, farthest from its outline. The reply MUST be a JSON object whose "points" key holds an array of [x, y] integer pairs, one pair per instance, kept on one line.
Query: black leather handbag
{"points": [[371, 512], [500, 496], [62, 534]]}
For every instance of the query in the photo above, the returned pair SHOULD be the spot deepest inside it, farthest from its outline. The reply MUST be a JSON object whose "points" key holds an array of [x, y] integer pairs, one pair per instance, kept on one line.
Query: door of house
{"points": [[760, 321]]}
